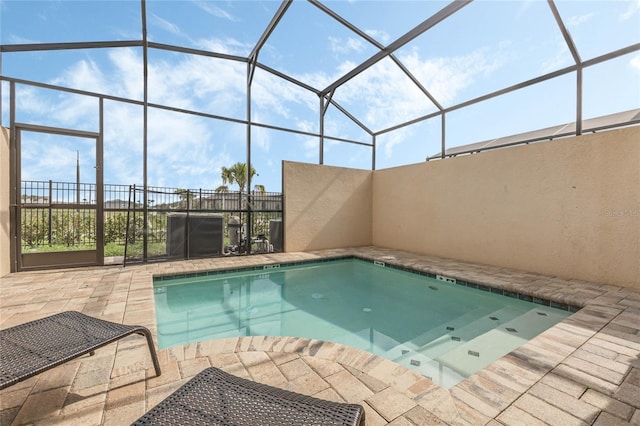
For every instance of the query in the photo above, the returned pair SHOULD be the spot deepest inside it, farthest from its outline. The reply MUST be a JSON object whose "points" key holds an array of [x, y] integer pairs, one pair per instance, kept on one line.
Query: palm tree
{"points": [[221, 201], [236, 174], [239, 175]]}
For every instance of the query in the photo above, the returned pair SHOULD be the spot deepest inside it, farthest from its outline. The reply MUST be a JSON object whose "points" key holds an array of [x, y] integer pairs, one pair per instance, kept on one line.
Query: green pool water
{"points": [[442, 330]]}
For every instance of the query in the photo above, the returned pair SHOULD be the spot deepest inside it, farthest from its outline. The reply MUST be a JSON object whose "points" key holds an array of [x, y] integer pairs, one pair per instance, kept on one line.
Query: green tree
{"points": [[238, 174], [34, 230], [115, 227], [235, 174]]}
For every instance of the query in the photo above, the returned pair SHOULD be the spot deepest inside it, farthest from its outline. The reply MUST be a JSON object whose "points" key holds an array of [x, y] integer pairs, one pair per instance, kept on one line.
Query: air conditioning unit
{"points": [[194, 235]]}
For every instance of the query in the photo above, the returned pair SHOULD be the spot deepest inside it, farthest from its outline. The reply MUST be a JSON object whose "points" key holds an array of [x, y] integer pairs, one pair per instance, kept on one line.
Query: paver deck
{"points": [[583, 371]]}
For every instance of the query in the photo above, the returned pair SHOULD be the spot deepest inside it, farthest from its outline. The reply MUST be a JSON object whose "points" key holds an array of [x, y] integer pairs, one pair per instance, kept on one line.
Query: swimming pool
{"points": [[440, 329]]}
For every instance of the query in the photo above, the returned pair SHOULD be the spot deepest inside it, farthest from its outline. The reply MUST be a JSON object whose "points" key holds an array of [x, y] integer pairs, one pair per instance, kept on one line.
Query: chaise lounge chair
{"points": [[218, 398], [31, 348], [211, 397]]}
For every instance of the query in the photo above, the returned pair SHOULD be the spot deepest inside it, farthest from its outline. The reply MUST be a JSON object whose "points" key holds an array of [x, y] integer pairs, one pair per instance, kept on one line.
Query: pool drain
{"points": [[366, 309]]}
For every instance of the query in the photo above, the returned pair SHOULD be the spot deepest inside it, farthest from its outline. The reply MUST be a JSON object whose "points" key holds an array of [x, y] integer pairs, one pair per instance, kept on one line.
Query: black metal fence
{"points": [[167, 223], [57, 216]]}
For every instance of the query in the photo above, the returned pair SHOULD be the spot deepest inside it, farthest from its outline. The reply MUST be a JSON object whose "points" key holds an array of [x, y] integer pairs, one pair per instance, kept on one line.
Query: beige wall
{"points": [[568, 208], [4, 202], [326, 207]]}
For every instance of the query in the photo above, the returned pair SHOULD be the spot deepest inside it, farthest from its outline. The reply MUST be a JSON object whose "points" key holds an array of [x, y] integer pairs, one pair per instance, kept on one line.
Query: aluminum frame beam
{"points": [[351, 117], [253, 56], [430, 22], [594, 61], [576, 58], [145, 131], [380, 46], [193, 51], [565, 33], [31, 47], [12, 80], [384, 52]]}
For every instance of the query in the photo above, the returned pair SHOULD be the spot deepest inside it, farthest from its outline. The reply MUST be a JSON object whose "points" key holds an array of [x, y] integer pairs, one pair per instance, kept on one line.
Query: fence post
{"points": [[50, 209], [133, 238]]}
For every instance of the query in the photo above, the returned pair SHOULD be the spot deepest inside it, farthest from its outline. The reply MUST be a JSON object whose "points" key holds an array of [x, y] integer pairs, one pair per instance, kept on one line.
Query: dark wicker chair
{"points": [[31, 348], [214, 397]]}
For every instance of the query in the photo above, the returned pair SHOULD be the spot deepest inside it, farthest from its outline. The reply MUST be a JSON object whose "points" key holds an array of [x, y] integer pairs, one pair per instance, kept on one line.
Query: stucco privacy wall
{"points": [[326, 207], [4, 203], [568, 208]]}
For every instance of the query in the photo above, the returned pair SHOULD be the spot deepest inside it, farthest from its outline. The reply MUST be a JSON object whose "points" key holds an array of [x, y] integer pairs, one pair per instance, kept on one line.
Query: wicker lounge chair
{"points": [[217, 398], [31, 348]]}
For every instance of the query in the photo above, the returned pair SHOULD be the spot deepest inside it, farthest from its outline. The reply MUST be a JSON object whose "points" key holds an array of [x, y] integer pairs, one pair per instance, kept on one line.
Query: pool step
{"points": [[481, 351], [447, 336], [480, 342], [459, 335], [445, 328], [435, 370]]}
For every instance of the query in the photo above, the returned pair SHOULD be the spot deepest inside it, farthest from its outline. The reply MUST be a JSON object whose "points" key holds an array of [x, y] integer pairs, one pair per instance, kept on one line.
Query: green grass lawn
{"points": [[110, 250]]}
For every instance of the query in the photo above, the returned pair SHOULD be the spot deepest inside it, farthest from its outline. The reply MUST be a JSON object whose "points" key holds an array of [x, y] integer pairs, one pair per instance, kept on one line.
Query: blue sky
{"points": [[486, 46]]}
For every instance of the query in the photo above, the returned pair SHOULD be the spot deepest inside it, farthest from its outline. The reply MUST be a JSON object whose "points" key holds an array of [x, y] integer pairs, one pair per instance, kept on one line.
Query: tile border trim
{"points": [[428, 273]]}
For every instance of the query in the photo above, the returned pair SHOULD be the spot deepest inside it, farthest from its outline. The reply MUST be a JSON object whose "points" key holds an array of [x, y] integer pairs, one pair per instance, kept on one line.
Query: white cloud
{"points": [[165, 25], [127, 76], [14, 39], [381, 36], [525, 5], [311, 148], [306, 126], [446, 77], [182, 149], [393, 139], [123, 148], [195, 82], [635, 62], [344, 47], [77, 112], [229, 46], [266, 98], [57, 109], [30, 101], [120, 75], [84, 75], [577, 20], [260, 137], [389, 97], [384, 96], [213, 10], [559, 59], [634, 7], [46, 160], [321, 79], [273, 97]]}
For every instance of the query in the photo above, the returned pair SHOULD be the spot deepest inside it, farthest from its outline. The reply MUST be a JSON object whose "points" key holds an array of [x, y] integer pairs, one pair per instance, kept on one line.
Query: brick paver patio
{"points": [[583, 371]]}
